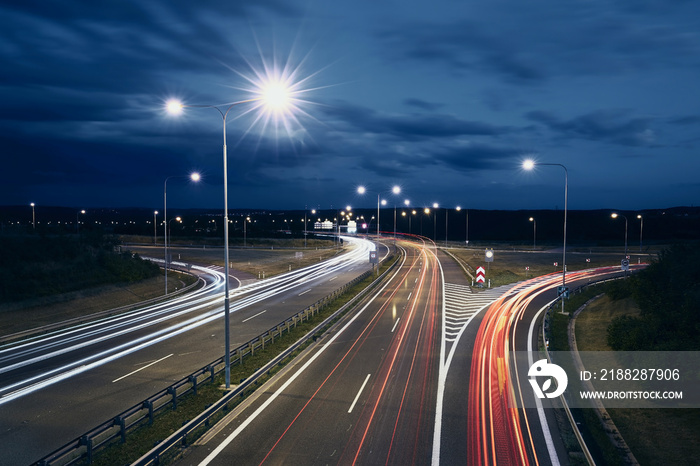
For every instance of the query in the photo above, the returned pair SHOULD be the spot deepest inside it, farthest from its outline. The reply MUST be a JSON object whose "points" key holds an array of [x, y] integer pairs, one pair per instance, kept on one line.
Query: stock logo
{"points": [[542, 368]]}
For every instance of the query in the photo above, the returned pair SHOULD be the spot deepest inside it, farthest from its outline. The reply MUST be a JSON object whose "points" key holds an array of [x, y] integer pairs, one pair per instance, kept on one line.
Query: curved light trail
{"points": [[203, 306], [498, 431]]}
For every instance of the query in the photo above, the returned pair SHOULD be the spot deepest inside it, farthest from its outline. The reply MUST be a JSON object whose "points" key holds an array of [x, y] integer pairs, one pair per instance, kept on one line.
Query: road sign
{"points": [[625, 264], [480, 275], [489, 255], [563, 291], [373, 259]]}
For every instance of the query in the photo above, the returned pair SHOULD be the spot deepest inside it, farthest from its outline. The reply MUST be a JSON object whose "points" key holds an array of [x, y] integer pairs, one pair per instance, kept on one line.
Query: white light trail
{"points": [[81, 337]]}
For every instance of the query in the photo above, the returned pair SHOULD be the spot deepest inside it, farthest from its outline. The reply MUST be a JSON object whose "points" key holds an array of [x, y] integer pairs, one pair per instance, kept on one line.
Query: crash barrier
{"points": [[545, 330], [82, 449]]}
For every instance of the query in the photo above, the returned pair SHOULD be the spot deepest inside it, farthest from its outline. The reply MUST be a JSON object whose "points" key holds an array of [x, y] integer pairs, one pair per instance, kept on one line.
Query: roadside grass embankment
{"points": [[655, 436], [512, 264], [262, 258]]}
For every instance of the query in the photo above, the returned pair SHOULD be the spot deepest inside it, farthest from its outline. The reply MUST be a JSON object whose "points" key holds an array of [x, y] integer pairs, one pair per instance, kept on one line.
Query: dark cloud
{"points": [[462, 46], [524, 45], [685, 120], [83, 87], [422, 104], [410, 127], [479, 157], [614, 126]]}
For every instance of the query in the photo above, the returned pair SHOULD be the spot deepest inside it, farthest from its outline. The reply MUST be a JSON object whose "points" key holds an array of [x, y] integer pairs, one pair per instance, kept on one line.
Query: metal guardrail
{"points": [[83, 448], [569, 415]]}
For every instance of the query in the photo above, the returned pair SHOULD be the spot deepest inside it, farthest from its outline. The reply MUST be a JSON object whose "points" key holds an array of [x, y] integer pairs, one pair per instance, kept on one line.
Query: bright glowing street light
{"points": [[529, 164], [534, 233], [276, 96], [174, 107], [77, 221], [155, 228], [615, 215], [194, 176], [641, 228]]}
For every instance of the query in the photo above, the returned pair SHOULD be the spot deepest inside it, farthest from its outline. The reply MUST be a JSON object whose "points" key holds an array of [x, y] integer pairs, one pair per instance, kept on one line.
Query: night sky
{"points": [[443, 98]]}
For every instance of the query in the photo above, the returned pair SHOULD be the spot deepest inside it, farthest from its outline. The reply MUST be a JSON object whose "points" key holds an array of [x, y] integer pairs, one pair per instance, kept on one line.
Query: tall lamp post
{"points": [[435, 207], [33, 217], [641, 227], [534, 233], [615, 215], [192, 176], [155, 228], [305, 209], [77, 220], [466, 228], [245, 223], [275, 95], [529, 165]]}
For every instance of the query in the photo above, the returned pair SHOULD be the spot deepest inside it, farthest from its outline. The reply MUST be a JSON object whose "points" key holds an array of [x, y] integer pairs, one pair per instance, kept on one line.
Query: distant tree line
{"points": [[34, 266], [668, 295]]}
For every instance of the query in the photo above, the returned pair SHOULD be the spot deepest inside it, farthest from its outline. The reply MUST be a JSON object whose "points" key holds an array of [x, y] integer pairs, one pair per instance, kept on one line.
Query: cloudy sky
{"points": [[445, 98]]}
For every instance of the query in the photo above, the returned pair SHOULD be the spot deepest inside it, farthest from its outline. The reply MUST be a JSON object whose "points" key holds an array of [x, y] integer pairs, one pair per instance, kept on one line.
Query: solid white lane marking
{"points": [[548, 440], [397, 323], [140, 369], [332, 279], [304, 292], [357, 397], [252, 317]]}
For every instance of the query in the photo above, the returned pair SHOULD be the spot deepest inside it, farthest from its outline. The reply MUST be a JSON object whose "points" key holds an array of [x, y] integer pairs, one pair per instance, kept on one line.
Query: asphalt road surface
{"points": [[54, 387]]}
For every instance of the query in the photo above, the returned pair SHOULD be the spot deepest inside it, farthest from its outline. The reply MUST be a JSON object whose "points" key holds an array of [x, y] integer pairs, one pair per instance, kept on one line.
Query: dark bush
{"points": [[34, 266]]}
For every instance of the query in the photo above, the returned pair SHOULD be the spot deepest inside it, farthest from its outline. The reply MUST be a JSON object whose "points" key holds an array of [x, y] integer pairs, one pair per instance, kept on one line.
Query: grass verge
{"points": [[45, 310], [644, 430]]}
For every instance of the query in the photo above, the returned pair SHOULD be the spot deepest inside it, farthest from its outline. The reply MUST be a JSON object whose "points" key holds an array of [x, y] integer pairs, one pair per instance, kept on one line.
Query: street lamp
{"points": [[534, 233], [155, 230], [274, 96], [426, 211], [77, 223], [305, 209], [192, 176], [33, 217], [529, 165], [168, 234], [395, 190], [466, 228], [615, 215], [641, 227], [435, 206]]}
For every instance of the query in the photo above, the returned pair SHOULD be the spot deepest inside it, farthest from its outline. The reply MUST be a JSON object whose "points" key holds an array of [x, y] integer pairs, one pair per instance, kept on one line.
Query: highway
{"points": [[56, 386], [423, 373], [364, 394], [373, 391]]}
